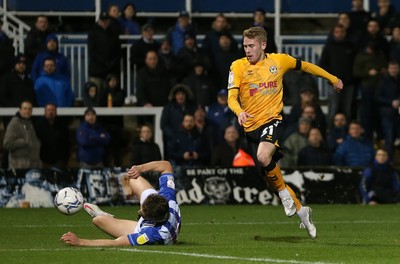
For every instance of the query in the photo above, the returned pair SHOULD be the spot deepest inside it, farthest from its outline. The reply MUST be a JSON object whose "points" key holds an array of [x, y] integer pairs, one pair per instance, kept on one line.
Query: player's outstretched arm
{"points": [[73, 240], [161, 166]]}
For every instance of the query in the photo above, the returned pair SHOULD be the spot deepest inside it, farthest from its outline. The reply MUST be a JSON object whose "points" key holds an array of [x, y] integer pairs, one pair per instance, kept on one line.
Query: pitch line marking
{"points": [[196, 255]]}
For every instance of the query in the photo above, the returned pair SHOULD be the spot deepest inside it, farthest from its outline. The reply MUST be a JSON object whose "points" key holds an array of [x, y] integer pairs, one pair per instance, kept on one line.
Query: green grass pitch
{"points": [[214, 234]]}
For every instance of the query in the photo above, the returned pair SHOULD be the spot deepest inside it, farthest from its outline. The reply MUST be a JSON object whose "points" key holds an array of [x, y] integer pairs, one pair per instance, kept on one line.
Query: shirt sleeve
{"points": [[167, 186], [147, 236]]}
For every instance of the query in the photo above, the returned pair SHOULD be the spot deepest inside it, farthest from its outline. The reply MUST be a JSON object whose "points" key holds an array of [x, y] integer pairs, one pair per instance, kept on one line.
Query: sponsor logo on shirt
{"points": [[264, 87], [142, 239]]}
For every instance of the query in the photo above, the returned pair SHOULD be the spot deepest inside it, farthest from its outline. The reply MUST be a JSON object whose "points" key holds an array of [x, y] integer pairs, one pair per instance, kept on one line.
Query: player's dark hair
{"points": [[155, 208]]}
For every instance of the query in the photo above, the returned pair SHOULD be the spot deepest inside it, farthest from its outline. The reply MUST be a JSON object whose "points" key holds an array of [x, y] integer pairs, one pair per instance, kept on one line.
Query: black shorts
{"points": [[270, 132]]}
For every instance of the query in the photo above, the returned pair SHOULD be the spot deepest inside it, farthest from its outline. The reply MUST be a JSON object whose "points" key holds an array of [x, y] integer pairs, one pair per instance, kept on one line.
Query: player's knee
{"points": [[98, 220], [263, 160]]}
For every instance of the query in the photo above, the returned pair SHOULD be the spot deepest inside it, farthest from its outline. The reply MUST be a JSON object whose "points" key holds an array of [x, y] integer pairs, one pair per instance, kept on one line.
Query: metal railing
{"points": [[75, 48]]}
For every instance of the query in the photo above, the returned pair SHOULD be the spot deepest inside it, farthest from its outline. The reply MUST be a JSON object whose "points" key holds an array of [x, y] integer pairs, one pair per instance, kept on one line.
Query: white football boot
{"points": [[307, 223], [94, 210]]}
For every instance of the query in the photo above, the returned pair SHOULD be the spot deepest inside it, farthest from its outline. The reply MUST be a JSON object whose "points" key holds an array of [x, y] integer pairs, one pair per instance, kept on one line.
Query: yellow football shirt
{"points": [[259, 87]]}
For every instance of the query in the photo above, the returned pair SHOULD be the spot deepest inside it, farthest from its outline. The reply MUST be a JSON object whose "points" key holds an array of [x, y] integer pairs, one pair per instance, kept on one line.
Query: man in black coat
{"points": [[53, 134], [104, 49], [35, 40], [15, 87]]}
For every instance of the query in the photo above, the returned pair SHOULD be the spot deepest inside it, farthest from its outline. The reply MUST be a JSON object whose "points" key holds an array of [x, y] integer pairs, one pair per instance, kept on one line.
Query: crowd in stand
{"points": [[189, 81]]}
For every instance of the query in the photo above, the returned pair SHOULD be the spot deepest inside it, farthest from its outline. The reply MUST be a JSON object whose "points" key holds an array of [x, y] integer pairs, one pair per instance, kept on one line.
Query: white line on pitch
{"points": [[196, 255]]}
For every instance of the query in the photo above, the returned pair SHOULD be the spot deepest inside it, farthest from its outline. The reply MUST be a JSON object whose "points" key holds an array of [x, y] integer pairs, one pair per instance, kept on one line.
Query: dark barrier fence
{"points": [[194, 185]]}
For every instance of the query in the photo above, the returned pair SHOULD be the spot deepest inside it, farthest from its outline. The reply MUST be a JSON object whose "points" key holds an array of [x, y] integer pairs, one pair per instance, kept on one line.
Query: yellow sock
{"points": [[275, 180]]}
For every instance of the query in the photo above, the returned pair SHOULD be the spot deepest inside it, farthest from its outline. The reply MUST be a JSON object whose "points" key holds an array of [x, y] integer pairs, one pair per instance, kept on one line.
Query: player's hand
{"points": [[134, 172], [242, 117], [70, 239], [338, 86]]}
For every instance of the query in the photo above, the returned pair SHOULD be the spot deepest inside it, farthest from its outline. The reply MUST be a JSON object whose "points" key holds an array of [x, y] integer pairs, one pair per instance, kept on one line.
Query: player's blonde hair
{"points": [[256, 32]]}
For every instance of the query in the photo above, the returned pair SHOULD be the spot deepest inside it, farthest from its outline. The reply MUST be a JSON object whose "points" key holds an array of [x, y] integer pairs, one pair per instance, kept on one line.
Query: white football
{"points": [[69, 200]]}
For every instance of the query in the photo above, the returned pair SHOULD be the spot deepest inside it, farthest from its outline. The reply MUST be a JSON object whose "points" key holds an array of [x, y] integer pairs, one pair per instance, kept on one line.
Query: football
{"points": [[69, 200]]}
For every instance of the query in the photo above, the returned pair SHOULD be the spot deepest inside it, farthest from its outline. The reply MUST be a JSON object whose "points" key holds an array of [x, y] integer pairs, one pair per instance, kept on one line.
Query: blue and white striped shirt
{"points": [[147, 232]]}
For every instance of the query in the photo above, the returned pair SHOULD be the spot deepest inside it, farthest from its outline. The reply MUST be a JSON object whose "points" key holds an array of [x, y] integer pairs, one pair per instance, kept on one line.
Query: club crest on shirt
{"points": [[273, 69]]}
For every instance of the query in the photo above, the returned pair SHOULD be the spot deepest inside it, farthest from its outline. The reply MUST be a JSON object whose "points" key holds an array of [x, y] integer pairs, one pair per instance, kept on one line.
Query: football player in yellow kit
{"points": [[255, 95]]}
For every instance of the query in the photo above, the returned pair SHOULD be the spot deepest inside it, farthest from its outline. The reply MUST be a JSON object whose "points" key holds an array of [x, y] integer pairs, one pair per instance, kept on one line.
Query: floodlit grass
{"points": [[214, 234]]}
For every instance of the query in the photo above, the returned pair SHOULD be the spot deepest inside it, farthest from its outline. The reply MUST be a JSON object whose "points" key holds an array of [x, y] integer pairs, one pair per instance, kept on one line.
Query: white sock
{"points": [[284, 193], [302, 213]]}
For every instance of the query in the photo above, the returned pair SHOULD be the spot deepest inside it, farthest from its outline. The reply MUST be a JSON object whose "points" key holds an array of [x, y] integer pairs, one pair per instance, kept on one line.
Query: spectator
{"points": [[90, 98], [53, 134], [173, 112], [395, 44], [6, 52], [143, 45], [104, 52], [153, 83], [219, 27], [307, 98], [369, 66], [35, 41], [201, 85], [91, 138], [315, 153], [295, 142], [338, 132], [355, 150], [220, 115], [222, 59], [224, 152], [128, 22], [309, 112], [380, 181], [115, 24], [387, 99], [176, 35], [53, 88], [294, 81], [113, 96], [20, 140], [144, 148], [187, 147], [337, 57], [386, 16], [189, 54], [206, 131], [345, 21], [15, 87], [62, 64], [358, 18], [166, 57], [374, 35], [259, 18]]}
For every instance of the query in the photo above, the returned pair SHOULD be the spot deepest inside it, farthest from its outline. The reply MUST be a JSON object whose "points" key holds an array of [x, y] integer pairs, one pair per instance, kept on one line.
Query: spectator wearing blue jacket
{"points": [[62, 64], [380, 181], [92, 139], [53, 88], [355, 150], [220, 115], [176, 35]]}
